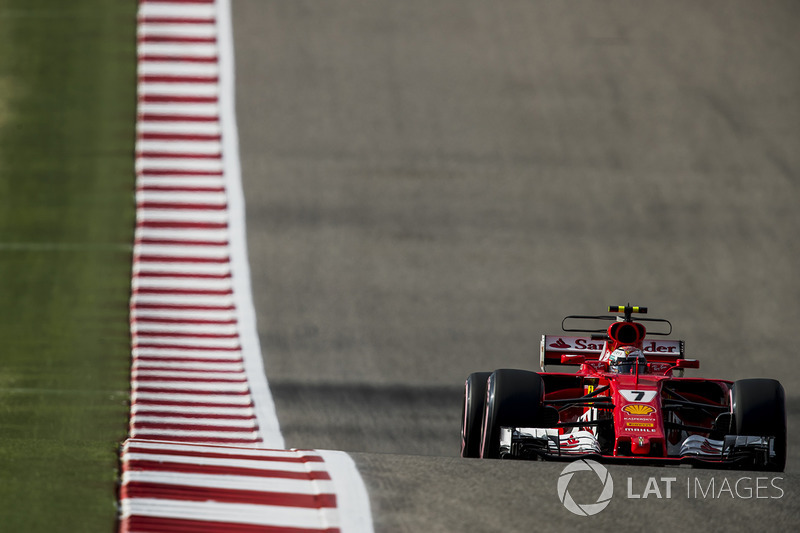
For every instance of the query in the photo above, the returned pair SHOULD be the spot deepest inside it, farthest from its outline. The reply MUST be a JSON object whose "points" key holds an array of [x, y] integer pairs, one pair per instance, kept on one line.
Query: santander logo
{"points": [[584, 344], [560, 344]]}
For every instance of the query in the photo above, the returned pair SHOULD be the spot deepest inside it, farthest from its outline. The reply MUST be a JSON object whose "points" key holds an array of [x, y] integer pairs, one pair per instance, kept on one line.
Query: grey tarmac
{"points": [[431, 185]]}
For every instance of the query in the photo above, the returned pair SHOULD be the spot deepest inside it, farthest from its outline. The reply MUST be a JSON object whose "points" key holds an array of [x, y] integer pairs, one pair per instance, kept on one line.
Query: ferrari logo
{"points": [[638, 409]]}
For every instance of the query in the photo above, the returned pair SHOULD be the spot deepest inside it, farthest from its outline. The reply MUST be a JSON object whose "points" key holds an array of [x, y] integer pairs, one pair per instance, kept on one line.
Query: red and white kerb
{"points": [[202, 420]]}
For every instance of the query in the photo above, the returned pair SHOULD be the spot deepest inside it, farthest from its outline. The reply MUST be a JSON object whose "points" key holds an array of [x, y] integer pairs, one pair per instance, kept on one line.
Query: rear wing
{"points": [[554, 346]]}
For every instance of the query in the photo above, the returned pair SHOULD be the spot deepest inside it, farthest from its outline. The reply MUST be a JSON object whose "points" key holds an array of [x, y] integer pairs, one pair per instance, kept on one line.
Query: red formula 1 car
{"points": [[628, 402]]}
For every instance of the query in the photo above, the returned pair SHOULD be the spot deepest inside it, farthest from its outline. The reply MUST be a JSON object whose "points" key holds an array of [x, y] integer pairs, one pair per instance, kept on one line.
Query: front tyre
{"points": [[759, 409], [472, 413], [513, 399]]}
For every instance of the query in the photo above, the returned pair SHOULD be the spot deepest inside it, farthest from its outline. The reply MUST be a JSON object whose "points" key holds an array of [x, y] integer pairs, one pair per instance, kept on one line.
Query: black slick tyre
{"points": [[472, 413], [513, 399], [759, 409]]}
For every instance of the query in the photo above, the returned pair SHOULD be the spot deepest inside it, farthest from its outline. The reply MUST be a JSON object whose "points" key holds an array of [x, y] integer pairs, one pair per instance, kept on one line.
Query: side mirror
{"points": [[688, 363], [573, 359]]}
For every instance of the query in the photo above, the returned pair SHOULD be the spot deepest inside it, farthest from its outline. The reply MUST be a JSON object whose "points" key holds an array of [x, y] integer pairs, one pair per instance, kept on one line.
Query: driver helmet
{"points": [[624, 360]]}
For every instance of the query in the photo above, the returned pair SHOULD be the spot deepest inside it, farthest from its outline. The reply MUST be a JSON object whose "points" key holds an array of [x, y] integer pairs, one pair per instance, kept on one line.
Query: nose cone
{"points": [[640, 445]]}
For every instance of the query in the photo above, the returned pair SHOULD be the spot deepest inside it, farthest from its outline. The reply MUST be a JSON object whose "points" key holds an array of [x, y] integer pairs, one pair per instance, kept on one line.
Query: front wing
{"points": [[734, 451]]}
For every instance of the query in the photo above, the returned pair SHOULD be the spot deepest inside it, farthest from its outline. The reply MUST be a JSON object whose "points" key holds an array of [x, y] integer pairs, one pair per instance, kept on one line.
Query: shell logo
{"points": [[638, 409]]}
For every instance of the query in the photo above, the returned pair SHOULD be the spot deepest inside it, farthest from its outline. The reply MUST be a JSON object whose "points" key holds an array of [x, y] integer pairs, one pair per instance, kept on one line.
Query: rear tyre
{"points": [[759, 409], [472, 413], [513, 399]]}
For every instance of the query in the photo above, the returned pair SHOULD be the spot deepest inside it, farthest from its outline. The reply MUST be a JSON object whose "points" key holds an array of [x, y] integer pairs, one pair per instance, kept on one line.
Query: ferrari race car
{"points": [[628, 402]]}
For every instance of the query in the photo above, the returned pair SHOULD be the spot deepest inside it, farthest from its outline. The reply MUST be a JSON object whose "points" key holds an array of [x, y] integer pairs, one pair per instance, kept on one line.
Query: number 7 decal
{"points": [[638, 395]]}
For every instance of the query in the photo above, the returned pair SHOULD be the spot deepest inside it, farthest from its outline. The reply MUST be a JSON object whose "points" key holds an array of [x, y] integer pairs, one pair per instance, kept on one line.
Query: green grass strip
{"points": [[67, 113]]}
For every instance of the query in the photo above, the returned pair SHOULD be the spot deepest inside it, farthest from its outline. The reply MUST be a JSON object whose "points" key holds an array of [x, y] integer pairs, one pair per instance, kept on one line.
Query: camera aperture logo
{"points": [[585, 509]]}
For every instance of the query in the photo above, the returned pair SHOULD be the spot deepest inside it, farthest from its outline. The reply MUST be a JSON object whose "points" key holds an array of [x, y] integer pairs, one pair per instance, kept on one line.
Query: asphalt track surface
{"points": [[431, 185]]}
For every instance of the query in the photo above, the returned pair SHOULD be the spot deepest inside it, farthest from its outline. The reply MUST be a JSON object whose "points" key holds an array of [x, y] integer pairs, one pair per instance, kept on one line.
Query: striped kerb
{"points": [[195, 459]]}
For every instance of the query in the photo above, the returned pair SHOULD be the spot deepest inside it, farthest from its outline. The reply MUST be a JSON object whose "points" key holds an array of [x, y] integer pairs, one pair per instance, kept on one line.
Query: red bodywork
{"points": [[651, 410]]}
